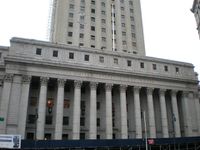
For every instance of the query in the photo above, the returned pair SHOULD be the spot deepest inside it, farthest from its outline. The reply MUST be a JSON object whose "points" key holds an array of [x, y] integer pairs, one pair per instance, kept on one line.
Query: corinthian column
{"points": [[93, 111], [163, 114], [5, 101], [152, 126], [109, 130], [196, 98], [123, 109], [42, 108], [175, 118], [59, 110], [138, 121], [76, 110], [23, 105]]}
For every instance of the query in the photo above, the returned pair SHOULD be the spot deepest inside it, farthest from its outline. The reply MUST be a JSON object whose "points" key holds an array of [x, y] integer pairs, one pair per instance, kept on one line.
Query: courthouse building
{"points": [[196, 10], [94, 81]]}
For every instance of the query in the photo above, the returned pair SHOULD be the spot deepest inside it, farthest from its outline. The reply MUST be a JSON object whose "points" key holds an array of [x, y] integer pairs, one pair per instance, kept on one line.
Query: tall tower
{"points": [[112, 25]]}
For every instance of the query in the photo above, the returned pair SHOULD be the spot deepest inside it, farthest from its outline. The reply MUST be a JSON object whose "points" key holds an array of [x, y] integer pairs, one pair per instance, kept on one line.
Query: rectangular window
{"points": [[30, 136], [81, 26], [134, 44], [93, 11], [65, 120], [177, 70], [70, 24], [98, 105], [141, 65], [82, 136], [81, 44], [47, 136], [92, 28], [115, 61], [103, 12], [65, 137], [86, 57], [103, 29], [71, 6], [98, 122], [154, 67], [38, 51], [103, 39], [81, 35], [48, 120], [93, 19], [31, 119], [71, 55], [103, 20], [55, 53], [71, 15], [70, 34], [69, 42], [92, 37], [128, 63], [66, 103], [82, 121], [166, 68], [101, 59]]}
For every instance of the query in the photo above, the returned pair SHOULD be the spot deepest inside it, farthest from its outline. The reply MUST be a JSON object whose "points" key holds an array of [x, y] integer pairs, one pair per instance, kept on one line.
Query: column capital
{"points": [[8, 77], [93, 85], [162, 91], [196, 94], [109, 86], [26, 79], [77, 83], [123, 87], [174, 92], [185, 93], [61, 82], [44, 80], [150, 90]]}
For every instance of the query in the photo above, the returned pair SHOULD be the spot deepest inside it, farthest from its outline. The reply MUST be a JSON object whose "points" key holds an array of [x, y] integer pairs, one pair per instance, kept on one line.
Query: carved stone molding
{"points": [[8, 77], [136, 88], [26, 79], [44, 80], [150, 90], [123, 87], [77, 84], [108, 86], [61, 82], [93, 85]]}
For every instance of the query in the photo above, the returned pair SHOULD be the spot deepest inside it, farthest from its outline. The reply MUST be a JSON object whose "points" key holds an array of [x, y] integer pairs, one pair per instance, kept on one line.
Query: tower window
{"points": [[70, 34], [55, 53], [141, 65], [92, 37], [82, 121], [71, 6], [70, 24], [81, 35], [166, 68], [115, 61], [177, 70], [92, 28], [71, 15], [38, 51], [101, 59], [86, 57], [93, 19], [93, 11], [128, 63], [154, 67], [66, 120], [71, 55]]}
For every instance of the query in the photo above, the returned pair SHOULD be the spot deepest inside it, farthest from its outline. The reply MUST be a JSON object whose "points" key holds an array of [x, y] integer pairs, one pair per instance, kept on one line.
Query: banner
{"points": [[10, 141]]}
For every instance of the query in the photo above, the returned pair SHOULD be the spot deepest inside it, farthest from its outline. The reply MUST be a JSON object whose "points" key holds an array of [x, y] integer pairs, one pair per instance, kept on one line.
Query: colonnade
{"points": [[23, 83]]}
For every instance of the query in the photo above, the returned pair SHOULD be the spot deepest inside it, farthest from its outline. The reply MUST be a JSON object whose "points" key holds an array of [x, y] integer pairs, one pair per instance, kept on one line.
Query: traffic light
{"points": [[50, 106]]}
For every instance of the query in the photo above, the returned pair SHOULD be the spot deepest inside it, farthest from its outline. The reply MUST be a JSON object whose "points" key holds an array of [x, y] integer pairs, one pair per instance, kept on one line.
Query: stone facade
{"points": [[57, 91], [196, 10]]}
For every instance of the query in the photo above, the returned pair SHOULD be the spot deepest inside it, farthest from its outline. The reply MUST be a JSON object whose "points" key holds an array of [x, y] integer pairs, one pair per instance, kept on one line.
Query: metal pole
{"points": [[145, 129]]}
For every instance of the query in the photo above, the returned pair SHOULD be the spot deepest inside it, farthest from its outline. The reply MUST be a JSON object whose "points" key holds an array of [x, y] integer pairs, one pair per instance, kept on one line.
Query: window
{"points": [[48, 120], [93, 46], [81, 44], [70, 34], [103, 21], [30, 136], [71, 6], [98, 105], [93, 11], [93, 2], [81, 35], [103, 12], [66, 120], [132, 18], [103, 39], [131, 3], [47, 136], [92, 28], [82, 121], [71, 15], [31, 119], [131, 10], [98, 136], [177, 70], [154, 67], [103, 4], [82, 8], [82, 18], [115, 61], [141, 65], [122, 16], [98, 122], [38, 51], [71, 55], [70, 24], [101, 59], [93, 19], [86, 57], [92, 37], [123, 25], [122, 8], [55, 53], [124, 33], [103, 29], [65, 137], [81, 26], [69, 42], [133, 35], [67, 101], [124, 42], [166, 68], [128, 63], [134, 44], [132, 27], [82, 136]]}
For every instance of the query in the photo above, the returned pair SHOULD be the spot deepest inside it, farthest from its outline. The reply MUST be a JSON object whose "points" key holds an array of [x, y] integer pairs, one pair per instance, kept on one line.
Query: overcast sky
{"points": [[169, 26]]}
